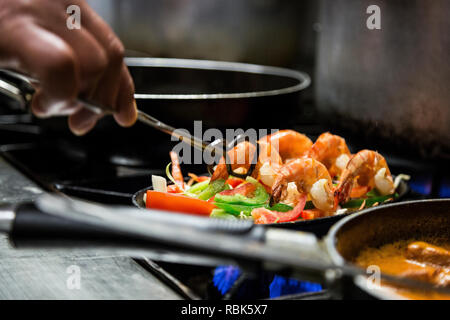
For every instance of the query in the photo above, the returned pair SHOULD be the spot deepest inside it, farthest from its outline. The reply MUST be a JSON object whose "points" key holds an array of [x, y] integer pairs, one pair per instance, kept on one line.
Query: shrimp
{"points": [[241, 157], [274, 150], [289, 143], [332, 151], [366, 168], [269, 164], [311, 177]]}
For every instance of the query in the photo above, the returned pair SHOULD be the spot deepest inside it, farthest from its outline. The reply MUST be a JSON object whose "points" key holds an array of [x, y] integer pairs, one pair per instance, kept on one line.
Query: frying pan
{"points": [[180, 91], [375, 227], [60, 222], [319, 226], [223, 95]]}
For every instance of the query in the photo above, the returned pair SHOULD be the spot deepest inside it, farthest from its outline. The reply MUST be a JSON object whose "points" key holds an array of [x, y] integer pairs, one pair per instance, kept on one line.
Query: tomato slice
{"points": [[265, 216], [246, 189], [234, 182], [178, 203]]}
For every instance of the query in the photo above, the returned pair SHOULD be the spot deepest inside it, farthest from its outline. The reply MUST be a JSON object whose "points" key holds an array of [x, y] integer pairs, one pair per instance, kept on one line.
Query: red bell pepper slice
{"points": [[246, 189], [234, 182], [265, 216], [178, 203]]}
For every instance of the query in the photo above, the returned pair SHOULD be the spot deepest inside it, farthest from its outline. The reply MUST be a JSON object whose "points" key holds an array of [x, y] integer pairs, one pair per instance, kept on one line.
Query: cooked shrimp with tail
{"points": [[332, 151], [241, 157], [290, 144], [275, 149], [311, 177], [366, 168]]}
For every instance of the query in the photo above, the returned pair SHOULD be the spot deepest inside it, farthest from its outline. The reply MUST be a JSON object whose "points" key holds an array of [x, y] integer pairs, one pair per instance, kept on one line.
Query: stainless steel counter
{"points": [[50, 274]]}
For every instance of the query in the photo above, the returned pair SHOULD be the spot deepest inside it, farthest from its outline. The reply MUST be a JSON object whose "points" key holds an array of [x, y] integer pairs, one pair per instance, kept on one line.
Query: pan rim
{"points": [[303, 79], [330, 239]]}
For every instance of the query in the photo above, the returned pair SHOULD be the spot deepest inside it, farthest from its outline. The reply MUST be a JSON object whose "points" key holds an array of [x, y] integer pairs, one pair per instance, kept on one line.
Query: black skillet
{"points": [[181, 91], [319, 226], [223, 95]]}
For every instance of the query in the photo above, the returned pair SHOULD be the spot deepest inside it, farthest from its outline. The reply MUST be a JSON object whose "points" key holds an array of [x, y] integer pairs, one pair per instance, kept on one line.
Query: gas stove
{"points": [[88, 171]]}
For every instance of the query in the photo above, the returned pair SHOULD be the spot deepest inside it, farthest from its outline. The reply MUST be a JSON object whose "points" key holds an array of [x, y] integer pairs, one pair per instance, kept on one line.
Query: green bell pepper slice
{"points": [[221, 214], [357, 203], [260, 196], [212, 189]]}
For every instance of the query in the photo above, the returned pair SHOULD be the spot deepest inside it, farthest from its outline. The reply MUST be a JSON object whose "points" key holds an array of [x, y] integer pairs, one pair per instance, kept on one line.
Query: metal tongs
{"points": [[19, 87]]}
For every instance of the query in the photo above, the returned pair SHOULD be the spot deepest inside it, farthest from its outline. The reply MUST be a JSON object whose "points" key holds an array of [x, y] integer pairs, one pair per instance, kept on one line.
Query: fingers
{"points": [[48, 58], [86, 63], [90, 54], [126, 111], [116, 87], [82, 121]]}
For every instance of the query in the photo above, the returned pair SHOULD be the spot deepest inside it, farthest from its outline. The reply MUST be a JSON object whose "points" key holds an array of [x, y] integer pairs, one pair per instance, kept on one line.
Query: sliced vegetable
{"points": [[169, 175], [399, 178], [212, 189], [281, 207], [159, 183], [372, 193], [234, 182], [176, 170], [369, 202], [198, 188], [238, 209], [264, 216], [221, 214], [246, 189], [178, 203], [250, 193]]}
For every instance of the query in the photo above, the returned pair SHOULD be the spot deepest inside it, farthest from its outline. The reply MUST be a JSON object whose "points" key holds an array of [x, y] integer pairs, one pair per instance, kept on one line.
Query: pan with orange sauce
{"points": [[427, 261]]}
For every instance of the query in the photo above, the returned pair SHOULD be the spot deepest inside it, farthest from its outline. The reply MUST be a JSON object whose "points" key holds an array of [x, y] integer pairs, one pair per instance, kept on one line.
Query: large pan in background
{"points": [[221, 95], [319, 226]]}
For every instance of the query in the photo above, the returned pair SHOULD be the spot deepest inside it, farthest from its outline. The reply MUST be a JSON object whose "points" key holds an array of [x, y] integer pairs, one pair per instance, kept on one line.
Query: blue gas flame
{"points": [[444, 192], [282, 286], [225, 277]]}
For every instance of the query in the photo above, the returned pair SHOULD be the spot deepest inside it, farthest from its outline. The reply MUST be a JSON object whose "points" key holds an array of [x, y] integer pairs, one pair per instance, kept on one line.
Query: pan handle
{"points": [[306, 244], [16, 87], [61, 222]]}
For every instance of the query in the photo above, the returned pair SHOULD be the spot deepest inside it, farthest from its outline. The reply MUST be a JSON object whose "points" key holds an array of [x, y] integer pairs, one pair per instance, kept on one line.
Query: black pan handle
{"points": [[34, 225]]}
